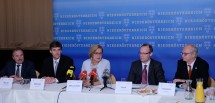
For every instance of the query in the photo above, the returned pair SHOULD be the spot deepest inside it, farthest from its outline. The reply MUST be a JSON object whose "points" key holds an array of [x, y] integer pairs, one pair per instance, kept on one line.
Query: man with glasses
{"points": [[146, 70], [191, 67]]}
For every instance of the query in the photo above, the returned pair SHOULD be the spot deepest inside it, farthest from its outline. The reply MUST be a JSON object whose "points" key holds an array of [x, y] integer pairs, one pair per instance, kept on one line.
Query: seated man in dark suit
{"points": [[191, 67], [146, 70], [18, 68], [55, 68]]}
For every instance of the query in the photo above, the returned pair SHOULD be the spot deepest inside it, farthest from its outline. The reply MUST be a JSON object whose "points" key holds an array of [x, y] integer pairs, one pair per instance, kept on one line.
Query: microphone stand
{"points": [[64, 87], [69, 77], [105, 83], [91, 82]]}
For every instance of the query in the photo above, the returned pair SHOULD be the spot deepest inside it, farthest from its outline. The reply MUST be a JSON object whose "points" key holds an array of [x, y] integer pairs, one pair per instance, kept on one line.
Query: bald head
{"points": [[189, 53], [193, 48]]}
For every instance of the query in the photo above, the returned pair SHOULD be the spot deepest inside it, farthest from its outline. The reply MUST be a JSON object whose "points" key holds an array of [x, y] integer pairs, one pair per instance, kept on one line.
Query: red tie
{"points": [[144, 75], [189, 71]]}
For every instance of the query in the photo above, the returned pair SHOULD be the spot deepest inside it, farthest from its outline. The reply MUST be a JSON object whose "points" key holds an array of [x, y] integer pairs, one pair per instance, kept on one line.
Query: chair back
{"points": [[113, 79], [37, 73], [211, 82]]}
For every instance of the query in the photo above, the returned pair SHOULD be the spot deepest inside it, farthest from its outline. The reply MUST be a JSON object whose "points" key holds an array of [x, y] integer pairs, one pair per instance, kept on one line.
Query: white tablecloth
{"points": [[6, 96], [22, 94]]}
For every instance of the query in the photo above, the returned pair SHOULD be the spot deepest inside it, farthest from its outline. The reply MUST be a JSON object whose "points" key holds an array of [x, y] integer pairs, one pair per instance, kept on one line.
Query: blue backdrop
{"points": [[121, 26]]}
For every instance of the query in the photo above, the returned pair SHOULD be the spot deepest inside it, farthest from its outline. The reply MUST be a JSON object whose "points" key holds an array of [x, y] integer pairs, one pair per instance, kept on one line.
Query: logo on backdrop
{"points": [[101, 14], [151, 29], [151, 13], [208, 11], [179, 36], [78, 37], [56, 16], [101, 30], [126, 37], [207, 28], [179, 20], [207, 44], [152, 43], [56, 30], [126, 22], [78, 23], [102, 44]]}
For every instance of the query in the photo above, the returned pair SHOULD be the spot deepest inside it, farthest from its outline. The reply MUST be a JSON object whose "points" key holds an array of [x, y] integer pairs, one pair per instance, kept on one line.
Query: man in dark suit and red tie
{"points": [[55, 68], [146, 70], [18, 68], [191, 67]]}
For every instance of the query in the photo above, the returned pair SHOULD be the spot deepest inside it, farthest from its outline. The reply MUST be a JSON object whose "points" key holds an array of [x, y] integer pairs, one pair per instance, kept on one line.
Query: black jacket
{"points": [[155, 73]]}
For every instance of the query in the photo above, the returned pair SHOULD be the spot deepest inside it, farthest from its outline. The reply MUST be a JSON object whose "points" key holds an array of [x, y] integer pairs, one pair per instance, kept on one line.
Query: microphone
{"points": [[105, 76], [69, 73], [93, 75], [106, 73], [83, 75]]}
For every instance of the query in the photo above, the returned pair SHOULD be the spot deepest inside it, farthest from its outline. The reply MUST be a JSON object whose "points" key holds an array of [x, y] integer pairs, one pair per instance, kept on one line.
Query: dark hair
{"points": [[16, 49], [55, 44], [150, 47]]}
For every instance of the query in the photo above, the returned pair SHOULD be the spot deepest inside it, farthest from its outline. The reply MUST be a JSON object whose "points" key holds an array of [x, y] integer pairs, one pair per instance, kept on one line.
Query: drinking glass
{"points": [[188, 93], [211, 93], [123, 79]]}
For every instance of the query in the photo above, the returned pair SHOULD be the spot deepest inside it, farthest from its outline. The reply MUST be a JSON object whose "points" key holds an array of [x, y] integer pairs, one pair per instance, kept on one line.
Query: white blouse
{"points": [[100, 67]]}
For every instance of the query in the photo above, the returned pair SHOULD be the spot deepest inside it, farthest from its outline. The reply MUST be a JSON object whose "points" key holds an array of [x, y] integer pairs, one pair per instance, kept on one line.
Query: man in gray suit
{"points": [[146, 70]]}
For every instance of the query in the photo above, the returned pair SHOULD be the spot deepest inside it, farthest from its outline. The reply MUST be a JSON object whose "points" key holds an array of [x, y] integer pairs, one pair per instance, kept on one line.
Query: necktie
{"points": [[189, 71], [17, 70], [144, 75], [55, 68]]}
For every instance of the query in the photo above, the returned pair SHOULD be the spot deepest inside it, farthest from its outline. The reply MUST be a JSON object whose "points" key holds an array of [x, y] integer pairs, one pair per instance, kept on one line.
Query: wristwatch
{"points": [[180, 85]]}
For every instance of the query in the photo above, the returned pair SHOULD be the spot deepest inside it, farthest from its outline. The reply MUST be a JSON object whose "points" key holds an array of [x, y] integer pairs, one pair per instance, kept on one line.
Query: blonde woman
{"points": [[95, 62]]}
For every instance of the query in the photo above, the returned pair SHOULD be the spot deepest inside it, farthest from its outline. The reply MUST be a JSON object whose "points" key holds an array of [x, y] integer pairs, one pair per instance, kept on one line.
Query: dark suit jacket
{"points": [[64, 64], [155, 73], [27, 71], [199, 70]]}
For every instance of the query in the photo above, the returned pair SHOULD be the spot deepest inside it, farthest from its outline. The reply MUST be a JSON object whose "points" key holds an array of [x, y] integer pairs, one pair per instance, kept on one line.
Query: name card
{"points": [[123, 87], [74, 85], [167, 89], [6, 83], [37, 84]]}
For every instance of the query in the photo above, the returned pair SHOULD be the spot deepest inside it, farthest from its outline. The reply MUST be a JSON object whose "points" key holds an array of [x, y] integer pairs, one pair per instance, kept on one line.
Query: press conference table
{"points": [[22, 94]]}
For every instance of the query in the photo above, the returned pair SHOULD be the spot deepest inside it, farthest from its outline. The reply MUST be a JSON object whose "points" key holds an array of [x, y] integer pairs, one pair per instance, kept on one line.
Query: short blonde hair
{"points": [[94, 48]]}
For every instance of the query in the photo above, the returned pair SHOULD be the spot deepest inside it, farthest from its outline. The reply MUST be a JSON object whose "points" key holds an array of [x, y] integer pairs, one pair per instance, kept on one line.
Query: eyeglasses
{"points": [[185, 54], [141, 53], [96, 53]]}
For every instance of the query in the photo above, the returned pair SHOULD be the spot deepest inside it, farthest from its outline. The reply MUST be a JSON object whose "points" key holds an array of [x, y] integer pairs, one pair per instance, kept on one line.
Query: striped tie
{"points": [[17, 71]]}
